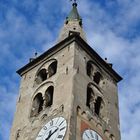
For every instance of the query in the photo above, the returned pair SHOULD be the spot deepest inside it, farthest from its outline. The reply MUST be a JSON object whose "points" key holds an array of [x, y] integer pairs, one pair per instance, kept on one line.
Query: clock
{"points": [[55, 129], [91, 135]]}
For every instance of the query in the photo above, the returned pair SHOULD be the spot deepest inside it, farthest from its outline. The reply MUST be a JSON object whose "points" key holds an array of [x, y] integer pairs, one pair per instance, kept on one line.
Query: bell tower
{"points": [[68, 93]]}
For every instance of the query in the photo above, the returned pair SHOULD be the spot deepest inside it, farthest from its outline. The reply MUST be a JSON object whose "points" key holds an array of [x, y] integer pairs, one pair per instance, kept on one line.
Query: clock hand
{"points": [[54, 132], [50, 134]]}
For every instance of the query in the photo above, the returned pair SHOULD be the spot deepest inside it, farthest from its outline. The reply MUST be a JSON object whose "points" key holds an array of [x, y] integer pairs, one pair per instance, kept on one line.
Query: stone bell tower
{"points": [[68, 93]]}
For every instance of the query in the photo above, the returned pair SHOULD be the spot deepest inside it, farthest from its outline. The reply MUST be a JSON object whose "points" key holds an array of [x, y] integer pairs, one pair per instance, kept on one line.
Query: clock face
{"points": [[55, 129], [91, 135]]}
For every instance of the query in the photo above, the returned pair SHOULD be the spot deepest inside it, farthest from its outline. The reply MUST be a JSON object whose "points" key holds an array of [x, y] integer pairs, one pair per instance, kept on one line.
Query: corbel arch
{"points": [[45, 71], [94, 72], [37, 104], [42, 87], [49, 96], [95, 101], [42, 98]]}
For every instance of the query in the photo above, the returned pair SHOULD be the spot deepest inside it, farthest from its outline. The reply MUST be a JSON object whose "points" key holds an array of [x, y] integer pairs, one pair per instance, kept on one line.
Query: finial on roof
{"points": [[110, 64], [35, 56], [74, 3], [74, 15]]}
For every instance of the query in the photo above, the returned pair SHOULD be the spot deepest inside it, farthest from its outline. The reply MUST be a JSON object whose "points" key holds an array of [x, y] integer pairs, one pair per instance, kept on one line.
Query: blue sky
{"points": [[112, 28]]}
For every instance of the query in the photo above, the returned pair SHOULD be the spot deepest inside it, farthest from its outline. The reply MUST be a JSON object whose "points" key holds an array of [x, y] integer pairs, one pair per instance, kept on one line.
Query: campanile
{"points": [[69, 92]]}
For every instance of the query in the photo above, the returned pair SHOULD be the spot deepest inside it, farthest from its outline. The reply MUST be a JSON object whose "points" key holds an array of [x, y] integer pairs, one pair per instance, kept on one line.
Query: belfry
{"points": [[69, 92]]}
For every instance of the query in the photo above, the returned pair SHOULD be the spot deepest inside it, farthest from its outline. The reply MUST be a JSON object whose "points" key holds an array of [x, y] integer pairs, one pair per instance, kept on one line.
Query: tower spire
{"points": [[74, 15], [73, 24]]}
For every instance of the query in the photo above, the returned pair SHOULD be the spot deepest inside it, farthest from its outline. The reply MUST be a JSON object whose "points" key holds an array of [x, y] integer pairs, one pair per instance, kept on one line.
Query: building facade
{"points": [[68, 93]]}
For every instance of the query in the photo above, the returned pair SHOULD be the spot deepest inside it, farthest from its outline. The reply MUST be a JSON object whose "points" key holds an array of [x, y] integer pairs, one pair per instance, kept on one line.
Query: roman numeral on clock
{"points": [[96, 137], [62, 128], [60, 136], [51, 123], [45, 128], [61, 122]]}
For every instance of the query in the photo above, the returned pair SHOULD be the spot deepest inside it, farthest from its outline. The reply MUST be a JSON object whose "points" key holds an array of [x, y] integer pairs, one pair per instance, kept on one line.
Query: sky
{"points": [[112, 29]]}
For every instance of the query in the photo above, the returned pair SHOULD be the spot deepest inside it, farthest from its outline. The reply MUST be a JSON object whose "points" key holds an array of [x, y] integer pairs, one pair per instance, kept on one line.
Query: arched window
{"points": [[49, 96], [52, 68], [41, 76], [97, 77], [37, 106], [89, 69], [94, 72], [46, 72], [98, 105], [90, 98]]}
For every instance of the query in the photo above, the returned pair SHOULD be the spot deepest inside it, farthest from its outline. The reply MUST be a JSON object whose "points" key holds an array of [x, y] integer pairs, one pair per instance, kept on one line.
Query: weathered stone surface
{"points": [[70, 91]]}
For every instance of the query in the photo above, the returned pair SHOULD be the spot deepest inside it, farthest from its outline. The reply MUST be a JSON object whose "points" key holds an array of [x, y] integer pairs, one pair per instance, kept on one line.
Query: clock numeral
{"points": [[51, 123], [96, 137], [60, 136], [54, 129], [45, 128], [62, 128], [87, 135], [91, 134], [61, 122]]}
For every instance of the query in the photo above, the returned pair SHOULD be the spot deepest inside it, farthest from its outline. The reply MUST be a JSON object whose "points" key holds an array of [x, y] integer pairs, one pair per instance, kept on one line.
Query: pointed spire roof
{"points": [[73, 24], [74, 15]]}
